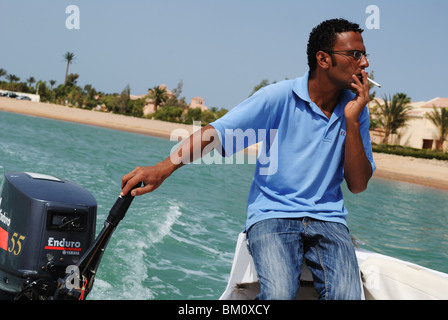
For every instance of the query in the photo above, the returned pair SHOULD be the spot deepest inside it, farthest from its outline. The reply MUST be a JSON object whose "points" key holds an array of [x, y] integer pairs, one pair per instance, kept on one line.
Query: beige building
{"points": [[419, 131], [196, 102]]}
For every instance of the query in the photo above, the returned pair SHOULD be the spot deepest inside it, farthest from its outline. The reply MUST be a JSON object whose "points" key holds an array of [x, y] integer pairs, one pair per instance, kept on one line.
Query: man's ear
{"points": [[323, 59]]}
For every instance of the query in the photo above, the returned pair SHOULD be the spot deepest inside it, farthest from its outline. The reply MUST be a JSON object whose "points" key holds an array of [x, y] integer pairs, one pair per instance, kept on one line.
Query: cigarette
{"points": [[374, 83]]}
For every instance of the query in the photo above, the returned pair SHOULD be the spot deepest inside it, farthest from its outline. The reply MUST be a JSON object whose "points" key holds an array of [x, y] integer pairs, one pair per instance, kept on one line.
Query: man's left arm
{"points": [[357, 167]]}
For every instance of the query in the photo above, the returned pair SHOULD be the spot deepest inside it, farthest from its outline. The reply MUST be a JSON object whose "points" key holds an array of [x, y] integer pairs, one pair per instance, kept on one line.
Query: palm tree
{"points": [[52, 83], [71, 79], [392, 115], [12, 78], [3, 72], [30, 81], [159, 96], [440, 120], [69, 57]]}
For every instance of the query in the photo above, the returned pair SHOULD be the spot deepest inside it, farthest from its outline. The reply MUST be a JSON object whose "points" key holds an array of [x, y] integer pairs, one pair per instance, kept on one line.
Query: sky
{"points": [[220, 49]]}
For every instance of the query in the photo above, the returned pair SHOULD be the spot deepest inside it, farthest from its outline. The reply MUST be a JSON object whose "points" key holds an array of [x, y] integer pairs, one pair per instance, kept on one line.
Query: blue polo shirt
{"points": [[300, 166]]}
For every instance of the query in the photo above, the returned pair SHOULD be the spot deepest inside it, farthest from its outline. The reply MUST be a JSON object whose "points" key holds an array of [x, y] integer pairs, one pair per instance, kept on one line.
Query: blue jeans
{"points": [[278, 247]]}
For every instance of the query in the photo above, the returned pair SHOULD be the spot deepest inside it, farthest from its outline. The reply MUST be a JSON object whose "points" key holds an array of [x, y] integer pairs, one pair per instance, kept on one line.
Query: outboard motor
{"points": [[48, 249], [46, 225]]}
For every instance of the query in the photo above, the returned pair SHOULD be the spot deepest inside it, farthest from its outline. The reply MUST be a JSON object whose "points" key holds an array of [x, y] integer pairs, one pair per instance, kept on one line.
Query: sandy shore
{"points": [[430, 173], [95, 118]]}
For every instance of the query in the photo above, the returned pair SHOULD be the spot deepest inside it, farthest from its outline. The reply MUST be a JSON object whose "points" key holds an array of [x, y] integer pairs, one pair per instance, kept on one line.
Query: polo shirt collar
{"points": [[300, 88]]}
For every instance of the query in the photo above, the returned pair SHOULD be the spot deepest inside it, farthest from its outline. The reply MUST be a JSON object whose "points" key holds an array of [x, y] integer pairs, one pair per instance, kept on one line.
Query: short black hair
{"points": [[323, 37]]}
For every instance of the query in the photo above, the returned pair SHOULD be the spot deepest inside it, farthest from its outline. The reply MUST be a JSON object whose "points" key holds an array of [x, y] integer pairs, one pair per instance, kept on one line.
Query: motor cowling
{"points": [[46, 225]]}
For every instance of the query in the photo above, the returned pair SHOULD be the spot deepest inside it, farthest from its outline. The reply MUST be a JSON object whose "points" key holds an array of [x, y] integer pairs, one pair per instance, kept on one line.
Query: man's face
{"points": [[345, 65]]}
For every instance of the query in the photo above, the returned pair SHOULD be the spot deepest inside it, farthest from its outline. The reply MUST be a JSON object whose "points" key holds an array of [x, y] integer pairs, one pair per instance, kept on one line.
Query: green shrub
{"points": [[410, 152]]}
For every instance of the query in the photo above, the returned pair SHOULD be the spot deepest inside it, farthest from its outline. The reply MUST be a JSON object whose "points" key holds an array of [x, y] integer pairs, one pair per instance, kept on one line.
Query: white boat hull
{"points": [[383, 278]]}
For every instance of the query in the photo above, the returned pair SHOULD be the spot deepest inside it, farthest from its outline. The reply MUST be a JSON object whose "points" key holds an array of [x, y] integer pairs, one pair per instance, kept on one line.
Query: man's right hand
{"points": [[152, 177]]}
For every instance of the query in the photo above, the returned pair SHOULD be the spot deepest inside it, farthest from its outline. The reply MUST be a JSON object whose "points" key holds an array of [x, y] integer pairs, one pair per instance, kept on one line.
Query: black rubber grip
{"points": [[121, 206]]}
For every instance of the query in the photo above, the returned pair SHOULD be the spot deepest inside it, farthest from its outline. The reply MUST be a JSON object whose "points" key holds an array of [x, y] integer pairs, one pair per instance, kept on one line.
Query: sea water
{"points": [[178, 242]]}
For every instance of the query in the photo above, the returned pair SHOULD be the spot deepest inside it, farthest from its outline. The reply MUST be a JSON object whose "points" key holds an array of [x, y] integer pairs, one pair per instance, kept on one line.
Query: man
{"points": [[296, 211]]}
